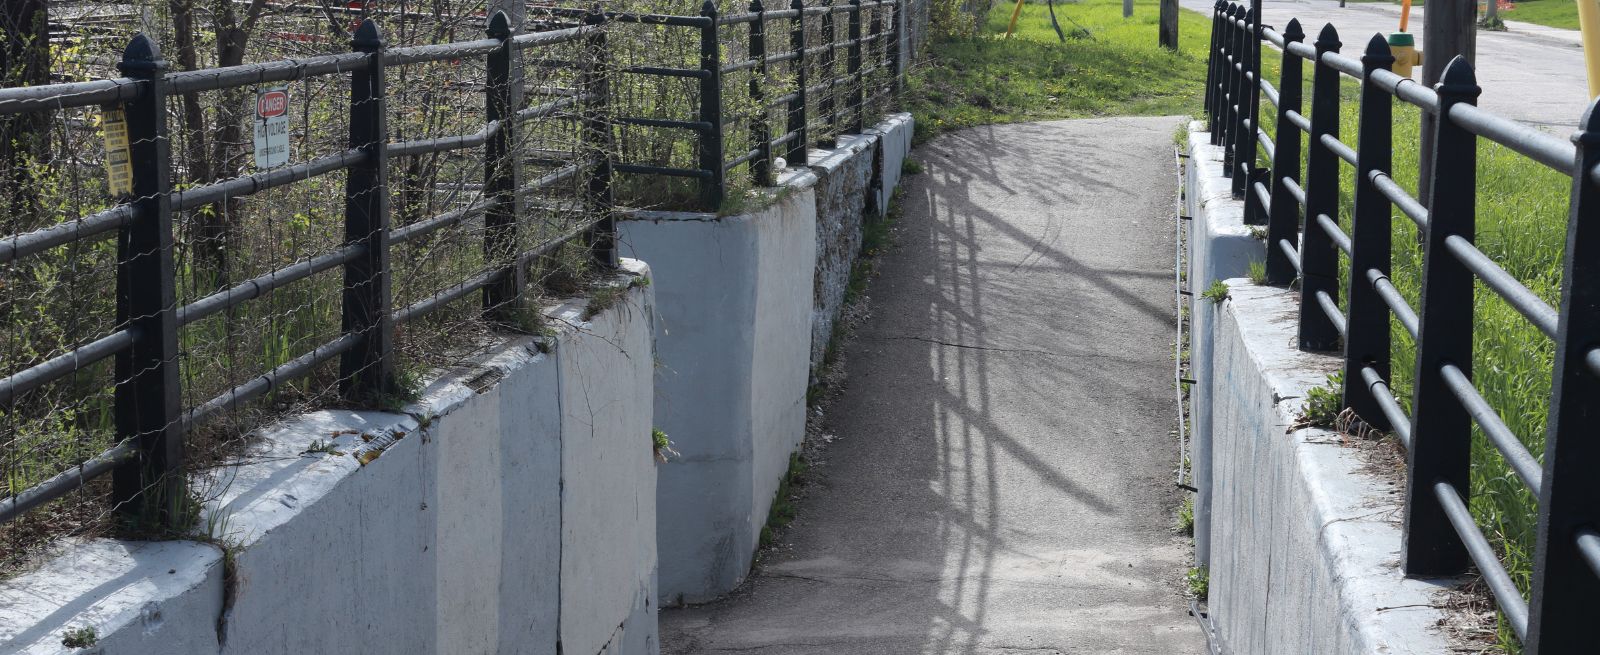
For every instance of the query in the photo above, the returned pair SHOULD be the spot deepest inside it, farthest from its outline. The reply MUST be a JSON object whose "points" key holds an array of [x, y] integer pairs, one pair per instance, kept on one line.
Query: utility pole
{"points": [[1169, 24], [1449, 28]]}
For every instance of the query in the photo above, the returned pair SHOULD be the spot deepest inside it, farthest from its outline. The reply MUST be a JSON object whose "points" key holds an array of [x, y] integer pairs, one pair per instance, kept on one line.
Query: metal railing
{"points": [[1305, 242], [880, 19], [150, 421]]}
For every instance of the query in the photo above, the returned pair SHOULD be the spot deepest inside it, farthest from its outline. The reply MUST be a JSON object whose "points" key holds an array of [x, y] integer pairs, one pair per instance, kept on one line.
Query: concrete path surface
{"points": [[1530, 73], [1002, 478]]}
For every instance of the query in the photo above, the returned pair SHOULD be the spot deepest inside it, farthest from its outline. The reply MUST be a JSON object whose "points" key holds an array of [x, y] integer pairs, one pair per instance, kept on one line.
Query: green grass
{"points": [[1553, 13], [1117, 68], [1521, 224]]}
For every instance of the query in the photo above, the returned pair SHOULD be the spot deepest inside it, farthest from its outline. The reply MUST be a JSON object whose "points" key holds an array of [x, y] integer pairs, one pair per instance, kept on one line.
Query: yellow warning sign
{"points": [[119, 164]]}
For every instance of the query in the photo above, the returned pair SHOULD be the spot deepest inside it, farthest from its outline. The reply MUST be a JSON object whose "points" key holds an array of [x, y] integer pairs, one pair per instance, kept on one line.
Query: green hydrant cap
{"points": [[1397, 39]]}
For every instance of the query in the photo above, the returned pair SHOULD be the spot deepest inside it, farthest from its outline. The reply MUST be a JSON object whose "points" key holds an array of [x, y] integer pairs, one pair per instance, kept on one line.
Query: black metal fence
{"points": [[147, 342], [1304, 243], [823, 98]]}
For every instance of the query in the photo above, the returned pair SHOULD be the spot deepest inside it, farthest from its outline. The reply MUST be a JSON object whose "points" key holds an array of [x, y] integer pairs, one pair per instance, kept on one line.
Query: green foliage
{"points": [[1217, 292], [985, 78], [909, 166], [80, 637], [1551, 13], [1186, 516], [1324, 403], [783, 509], [1258, 272], [1199, 581], [661, 446]]}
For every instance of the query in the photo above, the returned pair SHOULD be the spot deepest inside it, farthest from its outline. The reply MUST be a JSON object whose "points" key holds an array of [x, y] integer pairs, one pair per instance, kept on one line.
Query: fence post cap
{"points": [[1588, 133], [1328, 38], [1458, 80], [1293, 31], [142, 57], [498, 26], [1378, 54], [367, 37], [708, 8], [757, 7]]}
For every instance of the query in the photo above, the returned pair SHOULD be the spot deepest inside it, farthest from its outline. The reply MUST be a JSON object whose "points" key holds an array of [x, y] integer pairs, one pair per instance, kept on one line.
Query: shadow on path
{"points": [[1001, 477]]}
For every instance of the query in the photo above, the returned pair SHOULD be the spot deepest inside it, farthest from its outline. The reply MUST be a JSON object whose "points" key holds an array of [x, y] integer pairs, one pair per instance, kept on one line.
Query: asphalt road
{"points": [[1529, 73], [1002, 477]]}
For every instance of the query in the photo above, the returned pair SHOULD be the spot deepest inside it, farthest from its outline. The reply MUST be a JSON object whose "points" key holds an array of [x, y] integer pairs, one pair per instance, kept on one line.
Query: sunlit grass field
{"points": [[1107, 66]]}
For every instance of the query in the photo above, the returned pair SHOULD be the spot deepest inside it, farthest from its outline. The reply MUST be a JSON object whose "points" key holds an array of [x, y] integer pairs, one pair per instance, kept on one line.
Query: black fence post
{"points": [[1243, 134], [1211, 67], [1319, 257], [760, 128], [1561, 611], [1441, 429], [1366, 340], [366, 372], [798, 126], [598, 142], [825, 104], [500, 178], [712, 186], [1283, 216], [873, 97], [148, 492], [1228, 93], [858, 90]]}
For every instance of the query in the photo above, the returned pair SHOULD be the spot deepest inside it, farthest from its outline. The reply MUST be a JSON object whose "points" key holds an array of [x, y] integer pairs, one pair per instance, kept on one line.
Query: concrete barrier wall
{"points": [[1305, 542], [748, 303], [732, 336], [1220, 247], [510, 510]]}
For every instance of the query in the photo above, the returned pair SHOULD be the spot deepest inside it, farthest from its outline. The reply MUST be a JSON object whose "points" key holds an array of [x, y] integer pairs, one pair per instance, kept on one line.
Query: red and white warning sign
{"points": [[272, 127]]}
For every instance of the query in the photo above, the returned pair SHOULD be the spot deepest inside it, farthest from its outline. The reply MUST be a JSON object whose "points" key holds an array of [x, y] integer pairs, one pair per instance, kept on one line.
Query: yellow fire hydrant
{"points": [[1406, 55]]}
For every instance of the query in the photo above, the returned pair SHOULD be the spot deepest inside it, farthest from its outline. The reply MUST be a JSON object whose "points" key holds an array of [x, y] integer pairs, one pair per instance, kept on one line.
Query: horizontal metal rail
{"points": [[1338, 148], [698, 126], [67, 481], [1526, 302], [1532, 143], [27, 99], [1506, 594], [1407, 204], [1331, 308], [1396, 302], [64, 364], [267, 283], [643, 169], [662, 71], [1338, 236], [261, 384], [60, 234], [213, 79], [1494, 427], [428, 226], [277, 177], [1388, 405]]}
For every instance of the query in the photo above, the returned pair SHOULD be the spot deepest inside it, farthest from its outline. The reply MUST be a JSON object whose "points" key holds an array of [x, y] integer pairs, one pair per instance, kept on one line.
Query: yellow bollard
{"points": [[1406, 55], [1589, 22]]}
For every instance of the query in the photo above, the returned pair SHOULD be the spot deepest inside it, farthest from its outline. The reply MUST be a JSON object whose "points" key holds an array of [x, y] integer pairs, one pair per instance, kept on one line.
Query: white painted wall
{"points": [[1305, 542], [1220, 247], [513, 488], [732, 336]]}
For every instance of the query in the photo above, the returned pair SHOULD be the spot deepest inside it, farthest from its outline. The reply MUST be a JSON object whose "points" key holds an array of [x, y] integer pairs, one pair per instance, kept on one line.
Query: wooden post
{"points": [[1169, 24], [1449, 30]]}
